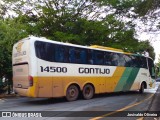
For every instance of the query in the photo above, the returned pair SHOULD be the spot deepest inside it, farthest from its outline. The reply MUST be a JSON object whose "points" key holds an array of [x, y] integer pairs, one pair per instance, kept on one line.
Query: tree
{"points": [[79, 22], [145, 45], [76, 22], [11, 32]]}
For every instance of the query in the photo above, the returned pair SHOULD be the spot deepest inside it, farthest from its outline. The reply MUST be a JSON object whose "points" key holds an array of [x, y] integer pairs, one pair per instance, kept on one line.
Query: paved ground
{"points": [[155, 105], [105, 106]]}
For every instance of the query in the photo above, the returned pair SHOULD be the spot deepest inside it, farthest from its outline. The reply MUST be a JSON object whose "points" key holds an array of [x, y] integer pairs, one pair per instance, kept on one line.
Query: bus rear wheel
{"points": [[72, 93], [141, 90], [88, 91]]}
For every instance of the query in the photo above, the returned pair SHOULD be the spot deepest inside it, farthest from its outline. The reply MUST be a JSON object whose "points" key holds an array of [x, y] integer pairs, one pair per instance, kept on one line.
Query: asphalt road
{"points": [[105, 106]]}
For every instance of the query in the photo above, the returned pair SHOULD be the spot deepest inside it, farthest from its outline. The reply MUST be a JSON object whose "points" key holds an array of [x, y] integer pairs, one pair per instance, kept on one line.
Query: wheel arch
{"points": [[145, 84]]}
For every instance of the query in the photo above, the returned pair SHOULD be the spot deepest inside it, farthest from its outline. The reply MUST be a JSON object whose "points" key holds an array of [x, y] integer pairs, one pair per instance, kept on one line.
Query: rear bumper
{"points": [[21, 92]]}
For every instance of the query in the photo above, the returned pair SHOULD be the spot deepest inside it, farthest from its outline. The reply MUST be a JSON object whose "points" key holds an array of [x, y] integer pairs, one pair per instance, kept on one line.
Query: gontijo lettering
{"points": [[93, 70]]}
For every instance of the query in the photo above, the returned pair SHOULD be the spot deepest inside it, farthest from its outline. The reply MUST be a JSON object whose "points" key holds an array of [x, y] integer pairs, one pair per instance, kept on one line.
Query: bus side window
{"points": [[71, 55], [80, 56], [90, 57], [115, 59], [77, 55], [143, 62], [128, 60], [133, 61], [59, 53], [44, 51], [98, 57], [39, 49], [121, 60], [107, 58], [83, 56], [136, 61], [50, 52]]}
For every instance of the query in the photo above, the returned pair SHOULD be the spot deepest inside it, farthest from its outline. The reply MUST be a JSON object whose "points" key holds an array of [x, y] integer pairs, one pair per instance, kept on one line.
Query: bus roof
{"points": [[106, 48]]}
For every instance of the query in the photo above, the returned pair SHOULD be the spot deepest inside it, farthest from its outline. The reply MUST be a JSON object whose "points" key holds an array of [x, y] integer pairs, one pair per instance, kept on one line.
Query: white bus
{"points": [[46, 68]]}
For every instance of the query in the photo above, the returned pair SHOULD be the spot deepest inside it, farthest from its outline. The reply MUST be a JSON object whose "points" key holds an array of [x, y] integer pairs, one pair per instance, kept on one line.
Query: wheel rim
{"points": [[72, 93]]}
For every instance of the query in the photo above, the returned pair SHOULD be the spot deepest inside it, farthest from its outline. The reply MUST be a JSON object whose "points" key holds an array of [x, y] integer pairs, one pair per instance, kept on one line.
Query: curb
{"points": [[8, 95]]}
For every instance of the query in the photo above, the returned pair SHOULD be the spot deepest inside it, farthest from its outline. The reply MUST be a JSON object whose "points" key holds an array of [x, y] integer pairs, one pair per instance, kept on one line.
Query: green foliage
{"points": [[144, 7], [145, 45], [122, 4], [10, 32], [75, 21]]}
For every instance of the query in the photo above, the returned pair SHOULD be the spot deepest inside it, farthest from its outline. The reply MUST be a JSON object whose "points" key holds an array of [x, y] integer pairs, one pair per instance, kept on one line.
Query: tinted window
{"points": [[51, 52], [143, 62], [61, 53], [77, 55], [98, 57], [71, 55], [115, 59], [138, 61], [121, 60], [90, 57], [128, 61], [44, 50], [108, 58]]}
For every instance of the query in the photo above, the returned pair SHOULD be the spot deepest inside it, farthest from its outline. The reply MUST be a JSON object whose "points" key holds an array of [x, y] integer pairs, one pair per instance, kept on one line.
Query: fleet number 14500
{"points": [[53, 69]]}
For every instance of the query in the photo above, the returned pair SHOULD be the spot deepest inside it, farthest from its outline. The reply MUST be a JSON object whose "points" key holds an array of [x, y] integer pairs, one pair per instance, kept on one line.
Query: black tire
{"points": [[88, 91], [141, 90], [72, 93]]}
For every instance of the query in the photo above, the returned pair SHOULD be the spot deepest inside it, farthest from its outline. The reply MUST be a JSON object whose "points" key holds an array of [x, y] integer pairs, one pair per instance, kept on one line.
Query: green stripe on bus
{"points": [[131, 79], [123, 79]]}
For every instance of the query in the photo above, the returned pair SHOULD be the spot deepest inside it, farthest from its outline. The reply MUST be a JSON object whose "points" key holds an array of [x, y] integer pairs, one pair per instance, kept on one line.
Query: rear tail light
{"points": [[30, 80]]}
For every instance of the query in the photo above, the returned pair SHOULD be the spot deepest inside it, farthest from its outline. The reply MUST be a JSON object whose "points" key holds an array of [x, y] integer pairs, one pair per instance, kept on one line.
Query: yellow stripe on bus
{"points": [[32, 92], [57, 86]]}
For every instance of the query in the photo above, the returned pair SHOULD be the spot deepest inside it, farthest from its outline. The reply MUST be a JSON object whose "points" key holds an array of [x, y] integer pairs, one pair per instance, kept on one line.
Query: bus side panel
{"points": [[57, 87], [111, 82], [44, 83], [131, 79], [127, 79], [44, 86], [33, 90], [142, 76]]}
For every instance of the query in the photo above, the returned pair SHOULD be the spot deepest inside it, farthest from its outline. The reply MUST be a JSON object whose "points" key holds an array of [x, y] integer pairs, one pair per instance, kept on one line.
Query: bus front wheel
{"points": [[141, 90], [88, 91], [72, 93]]}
